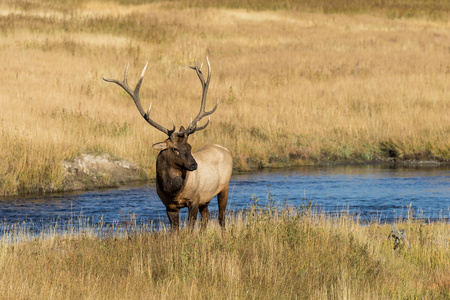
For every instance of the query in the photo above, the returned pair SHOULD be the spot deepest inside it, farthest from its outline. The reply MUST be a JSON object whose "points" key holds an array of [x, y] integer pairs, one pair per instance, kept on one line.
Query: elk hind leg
{"points": [[222, 199]]}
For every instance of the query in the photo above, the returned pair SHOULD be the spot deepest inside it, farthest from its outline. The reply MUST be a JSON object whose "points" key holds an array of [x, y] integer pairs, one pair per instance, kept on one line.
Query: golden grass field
{"points": [[296, 86], [264, 254], [299, 82]]}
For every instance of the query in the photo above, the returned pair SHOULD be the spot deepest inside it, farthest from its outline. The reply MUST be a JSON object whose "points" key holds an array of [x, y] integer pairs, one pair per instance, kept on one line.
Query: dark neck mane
{"points": [[169, 178]]}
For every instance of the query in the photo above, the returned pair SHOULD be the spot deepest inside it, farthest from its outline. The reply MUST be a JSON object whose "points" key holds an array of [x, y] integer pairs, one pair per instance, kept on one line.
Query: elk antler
{"points": [[135, 95], [146, 115], [202, 113]]}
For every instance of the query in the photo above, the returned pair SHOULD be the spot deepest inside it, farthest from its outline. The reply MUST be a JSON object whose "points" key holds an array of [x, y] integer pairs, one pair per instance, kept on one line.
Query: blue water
{"points": [[373, 193]]}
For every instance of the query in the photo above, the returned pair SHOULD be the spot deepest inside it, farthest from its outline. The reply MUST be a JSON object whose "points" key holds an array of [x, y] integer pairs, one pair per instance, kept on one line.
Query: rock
{"points": [[93, 171]]}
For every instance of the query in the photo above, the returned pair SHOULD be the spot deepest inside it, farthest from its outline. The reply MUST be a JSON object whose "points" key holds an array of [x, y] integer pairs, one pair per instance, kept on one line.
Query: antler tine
{"points": [[135, 96], [202, 113], [125, 74], [204, 126], [149, 108]]}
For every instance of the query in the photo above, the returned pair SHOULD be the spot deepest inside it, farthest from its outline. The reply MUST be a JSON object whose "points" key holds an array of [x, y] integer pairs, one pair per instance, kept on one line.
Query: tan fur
{"points": [[211, 178], [213, 173]]}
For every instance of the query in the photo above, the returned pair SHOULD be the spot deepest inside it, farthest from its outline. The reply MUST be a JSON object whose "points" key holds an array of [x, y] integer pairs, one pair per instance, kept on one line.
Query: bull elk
{"points": [[185, 179]]}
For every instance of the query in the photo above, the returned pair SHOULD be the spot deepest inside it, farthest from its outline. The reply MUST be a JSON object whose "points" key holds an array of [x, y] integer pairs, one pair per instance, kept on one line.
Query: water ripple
{"points": [[373, 192]]}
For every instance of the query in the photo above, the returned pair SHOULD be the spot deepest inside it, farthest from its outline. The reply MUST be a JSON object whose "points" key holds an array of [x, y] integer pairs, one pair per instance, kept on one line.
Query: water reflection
{"points": [[374, 192]]}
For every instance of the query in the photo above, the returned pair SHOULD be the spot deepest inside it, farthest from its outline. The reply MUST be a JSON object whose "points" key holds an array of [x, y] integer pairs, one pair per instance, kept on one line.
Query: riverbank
{"points": [[266, 253], [92, 172], [297, 85]]}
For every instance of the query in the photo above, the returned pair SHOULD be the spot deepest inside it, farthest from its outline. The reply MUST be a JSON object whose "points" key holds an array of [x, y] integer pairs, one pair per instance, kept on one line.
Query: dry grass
{"points": [[269, 254], [431, 9], [295, 87]]}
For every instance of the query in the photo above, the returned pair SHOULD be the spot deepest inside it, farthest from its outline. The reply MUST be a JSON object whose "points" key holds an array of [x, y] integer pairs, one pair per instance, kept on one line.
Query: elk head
{"points": [[178, 152], [175, 148]]}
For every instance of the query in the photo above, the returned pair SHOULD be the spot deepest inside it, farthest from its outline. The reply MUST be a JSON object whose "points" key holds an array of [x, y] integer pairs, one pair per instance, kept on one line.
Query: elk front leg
{"points": [[174, 218], [192, 217]]}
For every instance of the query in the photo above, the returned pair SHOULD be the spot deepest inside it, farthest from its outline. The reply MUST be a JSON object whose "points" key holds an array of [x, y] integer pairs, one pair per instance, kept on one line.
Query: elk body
{"points": [[183, 178]]}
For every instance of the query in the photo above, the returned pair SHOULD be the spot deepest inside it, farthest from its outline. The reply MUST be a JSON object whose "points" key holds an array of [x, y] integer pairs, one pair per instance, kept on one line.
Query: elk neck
{"points": [[169, 177]]}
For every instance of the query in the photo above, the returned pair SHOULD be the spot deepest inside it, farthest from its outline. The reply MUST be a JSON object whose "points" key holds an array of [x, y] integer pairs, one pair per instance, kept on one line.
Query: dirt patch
{"points": [[94, 171]]}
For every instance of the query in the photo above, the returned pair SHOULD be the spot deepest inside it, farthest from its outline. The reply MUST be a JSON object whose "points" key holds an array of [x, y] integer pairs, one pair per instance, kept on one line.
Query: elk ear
{"points": [[160, 146]]}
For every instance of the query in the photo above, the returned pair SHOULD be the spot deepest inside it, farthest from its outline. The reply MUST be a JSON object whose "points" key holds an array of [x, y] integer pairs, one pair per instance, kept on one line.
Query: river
{"points": [[372, 193]]}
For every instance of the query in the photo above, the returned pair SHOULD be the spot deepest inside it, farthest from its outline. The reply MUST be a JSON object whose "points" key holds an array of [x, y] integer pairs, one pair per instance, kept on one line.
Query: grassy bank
{"points": [[297, 86], [269, 254]]}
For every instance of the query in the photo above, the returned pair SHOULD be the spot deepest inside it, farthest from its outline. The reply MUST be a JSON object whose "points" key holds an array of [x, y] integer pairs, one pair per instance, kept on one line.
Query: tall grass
{"points": [[295, 87], [265, 254], [434, 9]]}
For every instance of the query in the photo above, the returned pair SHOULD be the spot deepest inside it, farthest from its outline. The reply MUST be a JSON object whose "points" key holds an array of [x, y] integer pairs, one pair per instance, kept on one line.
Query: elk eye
{"points": [[176, 151]]}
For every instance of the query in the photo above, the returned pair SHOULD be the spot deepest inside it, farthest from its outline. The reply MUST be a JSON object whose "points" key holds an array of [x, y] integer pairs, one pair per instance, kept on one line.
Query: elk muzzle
{"points": [[191, 165]]}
